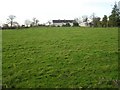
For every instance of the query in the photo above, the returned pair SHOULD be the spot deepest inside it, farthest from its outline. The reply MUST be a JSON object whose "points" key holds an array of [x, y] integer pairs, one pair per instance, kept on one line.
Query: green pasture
{"points": [[60, 57]]}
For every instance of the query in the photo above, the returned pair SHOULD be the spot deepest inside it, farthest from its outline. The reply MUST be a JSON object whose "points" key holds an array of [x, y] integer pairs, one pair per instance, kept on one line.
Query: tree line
{"points": [[107, 21]]}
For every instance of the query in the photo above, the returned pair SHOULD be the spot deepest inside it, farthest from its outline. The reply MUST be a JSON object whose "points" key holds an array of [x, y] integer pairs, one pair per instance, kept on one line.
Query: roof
{"points": [[63, 21]]}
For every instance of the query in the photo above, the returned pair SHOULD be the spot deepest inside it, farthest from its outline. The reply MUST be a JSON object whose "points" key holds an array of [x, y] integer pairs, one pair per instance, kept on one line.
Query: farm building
{"points": [[62, 22]]}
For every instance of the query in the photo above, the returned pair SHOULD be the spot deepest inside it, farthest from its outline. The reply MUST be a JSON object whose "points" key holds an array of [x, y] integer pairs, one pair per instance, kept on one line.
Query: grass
{"points": [[58, 57]]}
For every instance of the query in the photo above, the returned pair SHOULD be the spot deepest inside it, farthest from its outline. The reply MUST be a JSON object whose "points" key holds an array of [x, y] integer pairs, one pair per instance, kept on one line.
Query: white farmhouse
{"points": [[62, 22]]}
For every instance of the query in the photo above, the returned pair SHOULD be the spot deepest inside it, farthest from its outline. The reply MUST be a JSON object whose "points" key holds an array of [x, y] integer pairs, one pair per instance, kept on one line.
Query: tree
{"points": [[114, 18], [75, 23], [95, 20], [92, 18], [85, 18], [10, 19], [35, 21], [104, 21], [66, 25], [28, 22], [49, 22]]}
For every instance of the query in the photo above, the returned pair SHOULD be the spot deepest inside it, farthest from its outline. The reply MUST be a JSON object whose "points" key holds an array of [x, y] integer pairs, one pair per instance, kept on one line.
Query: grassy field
{"points": [[60, 57]]}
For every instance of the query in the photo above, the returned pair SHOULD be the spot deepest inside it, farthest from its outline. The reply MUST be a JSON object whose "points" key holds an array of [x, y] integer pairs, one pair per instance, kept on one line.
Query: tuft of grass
{"points": [[60, 57]]}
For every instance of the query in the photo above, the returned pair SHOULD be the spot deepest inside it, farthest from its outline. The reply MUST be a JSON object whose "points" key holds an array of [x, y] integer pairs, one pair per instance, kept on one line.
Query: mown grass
{"points": [[60, 57]]}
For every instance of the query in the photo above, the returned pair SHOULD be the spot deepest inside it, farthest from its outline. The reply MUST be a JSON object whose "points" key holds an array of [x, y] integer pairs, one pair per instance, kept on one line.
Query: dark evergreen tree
{"points": [[75, 24], [114, 18], [105, 21]]}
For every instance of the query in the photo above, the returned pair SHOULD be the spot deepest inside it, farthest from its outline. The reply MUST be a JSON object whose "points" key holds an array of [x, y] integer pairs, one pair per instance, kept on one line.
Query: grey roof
{"points": [[63, 21]]}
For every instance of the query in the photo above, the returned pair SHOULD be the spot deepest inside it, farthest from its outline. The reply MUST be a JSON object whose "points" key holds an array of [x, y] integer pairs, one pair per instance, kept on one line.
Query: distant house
{"points": [[62, 22]]}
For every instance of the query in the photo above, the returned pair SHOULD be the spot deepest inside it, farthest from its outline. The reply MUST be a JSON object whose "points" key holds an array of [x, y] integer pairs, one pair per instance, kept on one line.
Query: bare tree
{"points": [[92, 16], [85, 18], [28, 22], [49, 22], [10, 19], [35, 21], [78, 20]]}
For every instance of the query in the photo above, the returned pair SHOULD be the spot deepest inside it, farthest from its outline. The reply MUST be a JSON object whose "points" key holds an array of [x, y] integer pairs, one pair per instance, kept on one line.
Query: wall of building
{"points": [[60, 24]]}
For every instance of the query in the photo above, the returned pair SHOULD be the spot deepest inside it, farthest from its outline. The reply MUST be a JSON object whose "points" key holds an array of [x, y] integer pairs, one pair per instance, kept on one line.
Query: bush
{"points": [[75, 24]]}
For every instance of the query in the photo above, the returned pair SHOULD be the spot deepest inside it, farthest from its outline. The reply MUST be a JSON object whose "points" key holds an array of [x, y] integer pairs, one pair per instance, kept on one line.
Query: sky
{"points": [[47, 10]]}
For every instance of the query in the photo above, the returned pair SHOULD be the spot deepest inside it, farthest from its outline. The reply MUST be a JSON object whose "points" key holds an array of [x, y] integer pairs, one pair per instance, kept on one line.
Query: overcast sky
{"points": [[45, 10]]}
